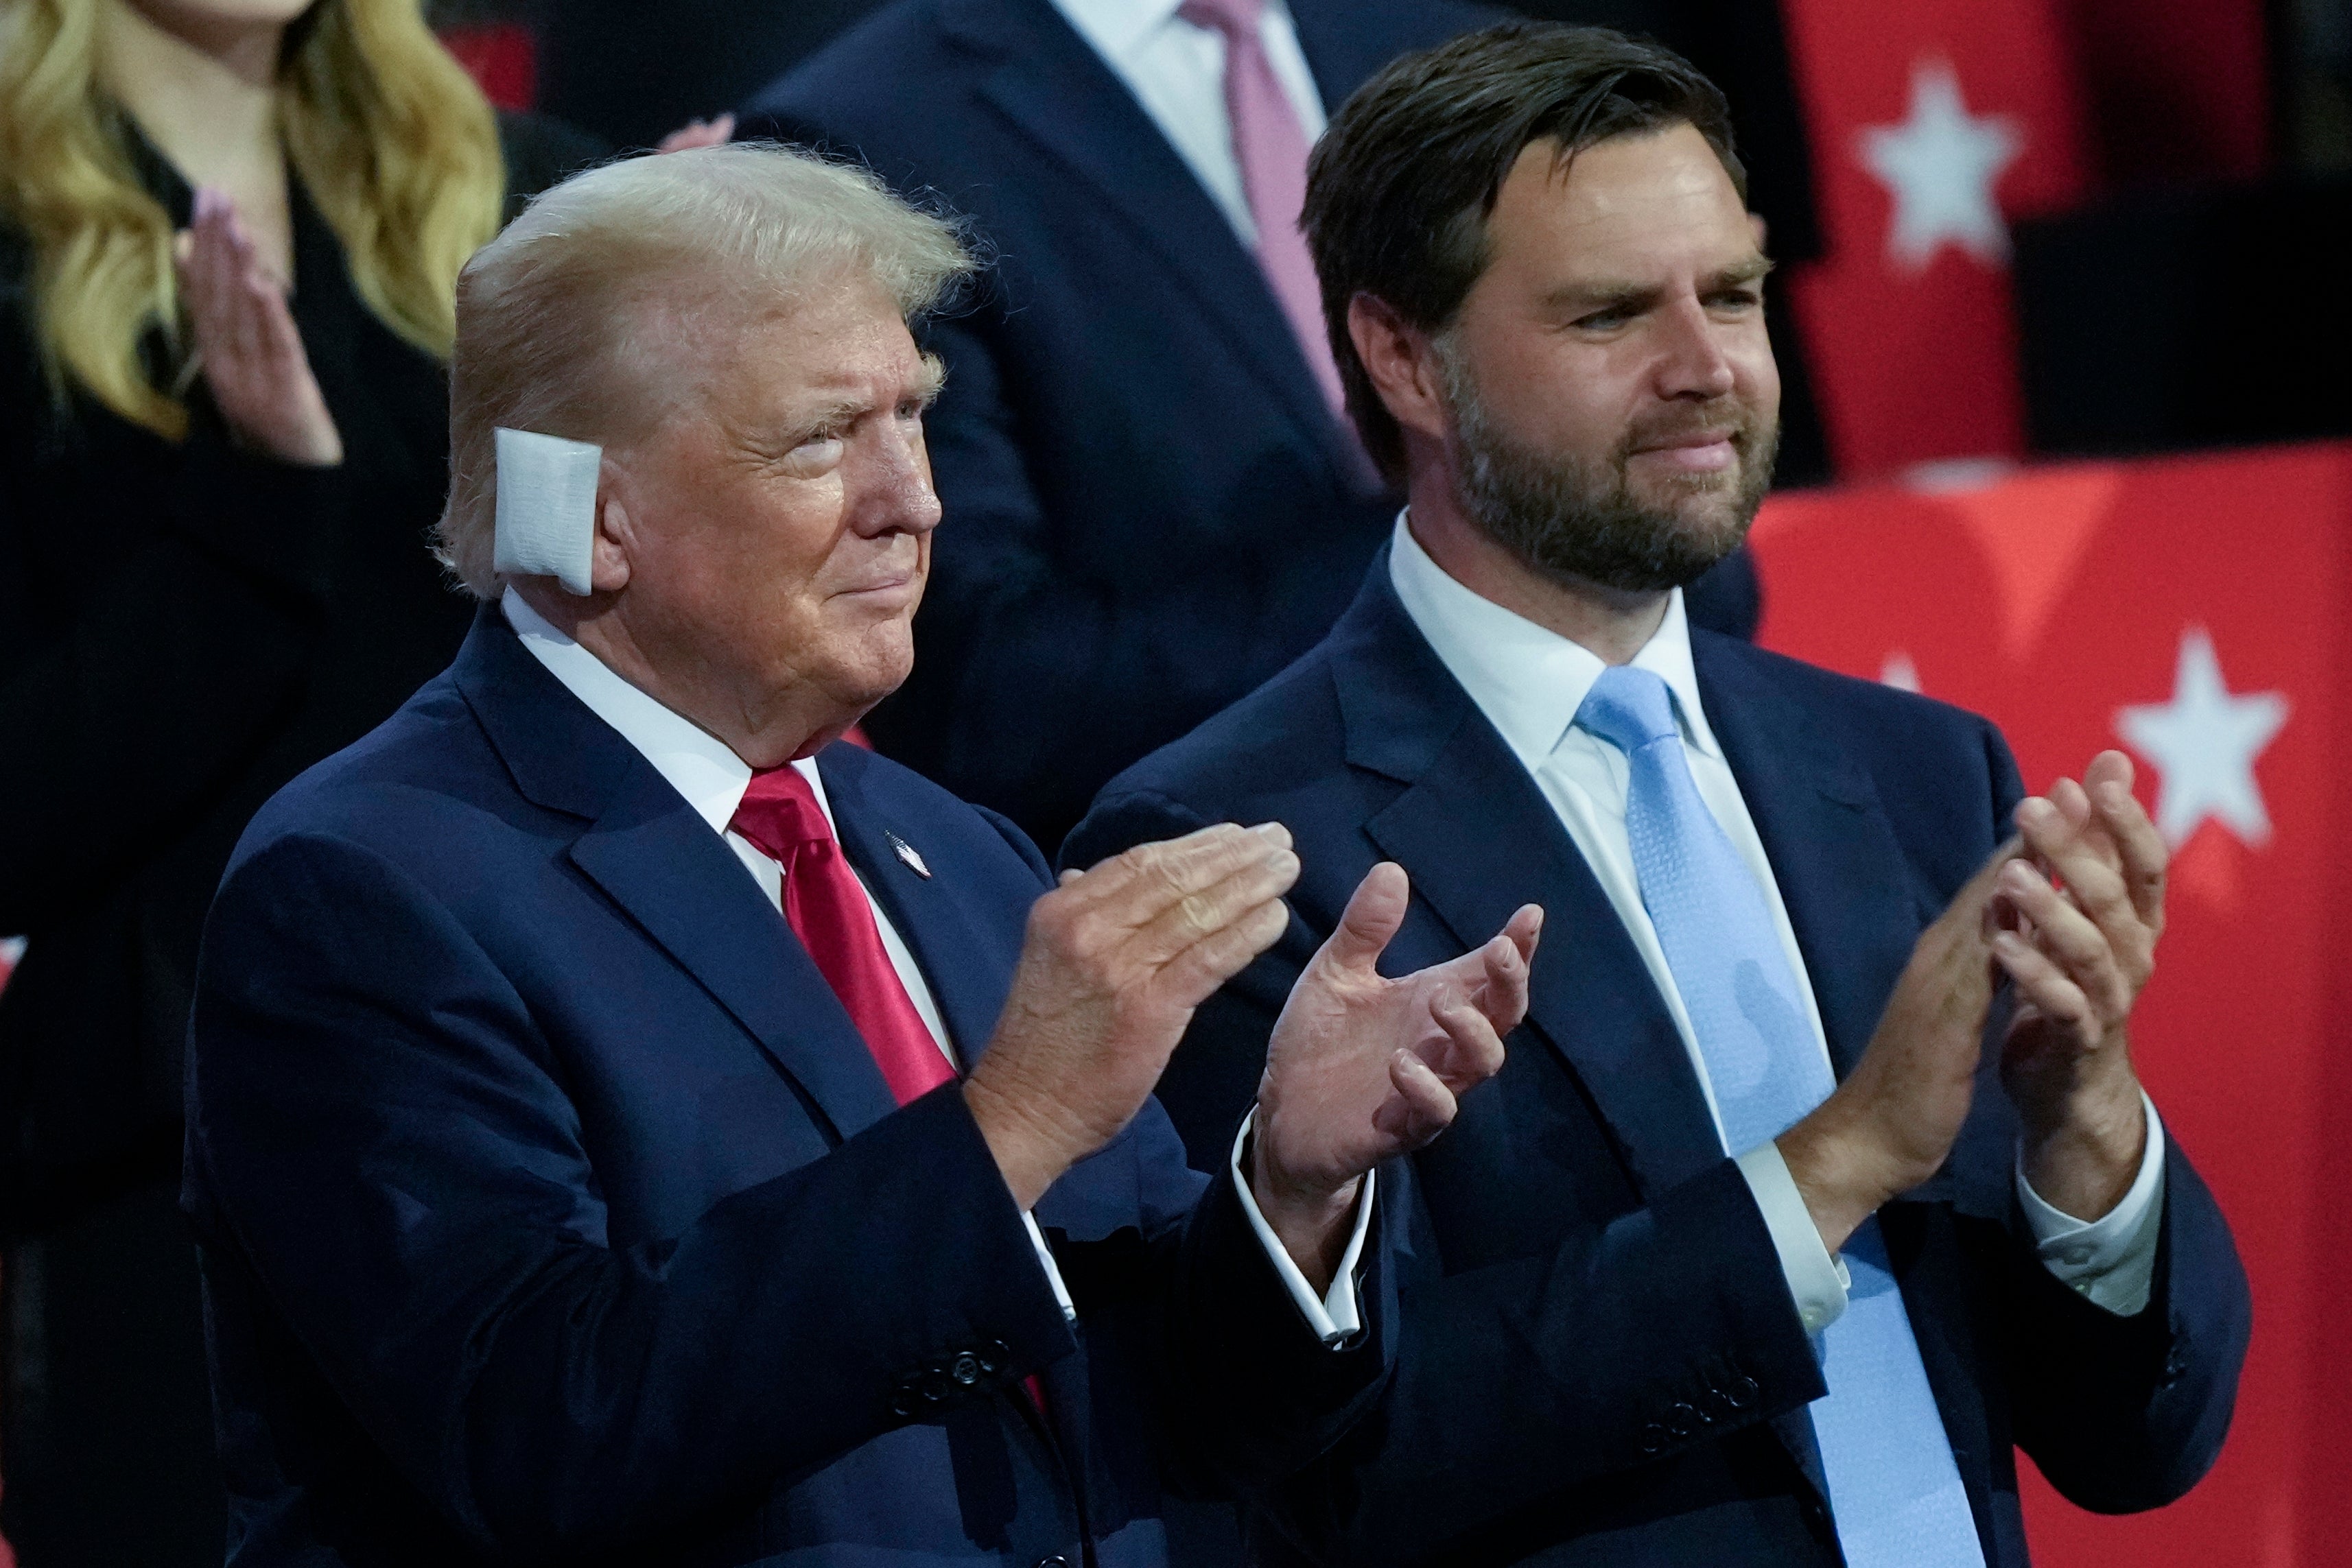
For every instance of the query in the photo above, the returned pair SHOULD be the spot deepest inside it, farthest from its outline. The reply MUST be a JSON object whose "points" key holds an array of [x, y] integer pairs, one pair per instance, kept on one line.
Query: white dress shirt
{"points": [[706, 772], [1530, 683], [1177, 72]]}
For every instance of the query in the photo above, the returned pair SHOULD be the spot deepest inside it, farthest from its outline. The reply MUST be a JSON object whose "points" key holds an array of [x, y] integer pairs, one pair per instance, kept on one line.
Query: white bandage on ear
{"points": [[547, 508]]}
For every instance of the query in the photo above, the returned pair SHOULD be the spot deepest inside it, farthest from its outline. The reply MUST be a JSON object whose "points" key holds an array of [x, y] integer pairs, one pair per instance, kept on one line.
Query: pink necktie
{"points": [[1270, 145]]}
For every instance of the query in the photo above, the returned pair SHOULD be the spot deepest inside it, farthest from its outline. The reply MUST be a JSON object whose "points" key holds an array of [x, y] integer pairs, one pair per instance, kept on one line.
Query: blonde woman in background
{"points": [[229, 231]]}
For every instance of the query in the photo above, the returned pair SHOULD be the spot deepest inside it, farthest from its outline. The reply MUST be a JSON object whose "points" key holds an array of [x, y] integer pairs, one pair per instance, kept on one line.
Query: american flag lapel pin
{"points": [[906, 852]]}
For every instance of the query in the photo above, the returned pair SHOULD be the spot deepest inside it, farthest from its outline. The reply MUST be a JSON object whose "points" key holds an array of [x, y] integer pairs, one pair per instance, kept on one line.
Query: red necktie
{"points": [[826, 906]]}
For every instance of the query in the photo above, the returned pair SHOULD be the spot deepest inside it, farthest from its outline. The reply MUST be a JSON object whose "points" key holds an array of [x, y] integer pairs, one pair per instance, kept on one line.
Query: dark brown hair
{"points": [[1400, 188]]}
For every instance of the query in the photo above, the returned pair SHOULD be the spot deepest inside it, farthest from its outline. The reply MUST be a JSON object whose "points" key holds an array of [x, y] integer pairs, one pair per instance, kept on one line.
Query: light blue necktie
{"points": [[1894, 1488]]}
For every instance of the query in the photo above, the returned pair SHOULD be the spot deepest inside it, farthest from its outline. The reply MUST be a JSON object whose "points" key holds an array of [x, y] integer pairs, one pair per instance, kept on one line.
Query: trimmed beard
{"points": [[1568, 519]]}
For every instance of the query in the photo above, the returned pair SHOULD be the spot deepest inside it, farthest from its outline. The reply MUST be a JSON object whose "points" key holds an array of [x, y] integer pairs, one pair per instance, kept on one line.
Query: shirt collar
{"points": [[699, 765], [1117, 28], [1527, 679]]}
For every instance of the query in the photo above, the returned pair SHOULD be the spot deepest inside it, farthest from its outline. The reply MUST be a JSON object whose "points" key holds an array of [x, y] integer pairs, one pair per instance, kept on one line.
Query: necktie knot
{"points": [[1629, 708], [779, 813], [1233, 19]]}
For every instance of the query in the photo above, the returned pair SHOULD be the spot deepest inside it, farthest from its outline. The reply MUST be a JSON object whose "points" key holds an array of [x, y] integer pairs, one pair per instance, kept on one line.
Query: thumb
{"points": [[1372, 915]]}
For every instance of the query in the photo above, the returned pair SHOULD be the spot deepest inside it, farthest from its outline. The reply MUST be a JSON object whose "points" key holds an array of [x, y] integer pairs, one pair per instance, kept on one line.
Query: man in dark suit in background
{"points": [[1156, 501], [578, 1147], [1762, 1255]]}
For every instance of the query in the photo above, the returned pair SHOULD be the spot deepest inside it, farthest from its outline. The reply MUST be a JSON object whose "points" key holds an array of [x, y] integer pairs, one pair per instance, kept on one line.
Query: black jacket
{"points": [[183, 629]]}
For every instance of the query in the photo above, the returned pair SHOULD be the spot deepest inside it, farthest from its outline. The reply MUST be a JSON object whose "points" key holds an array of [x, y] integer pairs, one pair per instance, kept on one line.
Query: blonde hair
{"points": [[394, 143], [562, 319]]}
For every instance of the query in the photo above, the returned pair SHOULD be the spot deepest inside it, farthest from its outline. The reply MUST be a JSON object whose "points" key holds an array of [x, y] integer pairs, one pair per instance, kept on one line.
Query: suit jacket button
{"points": [[1653, 1439], [1742, 1392], [995, 1356], [902, 1401], [966, 1368], [1057, 1560], [1683, 1421]]}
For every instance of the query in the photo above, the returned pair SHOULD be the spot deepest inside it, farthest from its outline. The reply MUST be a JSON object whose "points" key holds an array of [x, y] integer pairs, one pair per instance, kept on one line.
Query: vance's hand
{"points": [[247, 343], [1113, 963], [1361, 1068], [2085, 913], [1889, 1126]]}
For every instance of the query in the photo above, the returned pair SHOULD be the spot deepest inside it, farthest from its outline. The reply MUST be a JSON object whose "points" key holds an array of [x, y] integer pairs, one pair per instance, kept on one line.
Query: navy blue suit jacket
{"points": [[1150, 509], [1602, 1362], [552, 1209]]}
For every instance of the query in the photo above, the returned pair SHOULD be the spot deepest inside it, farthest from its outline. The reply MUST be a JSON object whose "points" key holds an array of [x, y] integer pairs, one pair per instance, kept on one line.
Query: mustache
{"points": [[1724, 419]]}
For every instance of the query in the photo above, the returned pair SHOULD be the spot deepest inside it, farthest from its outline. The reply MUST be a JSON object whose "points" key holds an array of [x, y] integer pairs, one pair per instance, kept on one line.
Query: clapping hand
{"points": [[2083, 913], [1362, 1067], [247, 343]]}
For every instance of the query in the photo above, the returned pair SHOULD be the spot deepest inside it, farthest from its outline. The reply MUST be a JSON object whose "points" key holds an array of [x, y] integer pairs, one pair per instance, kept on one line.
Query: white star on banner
{"points": [[2204, 742], [1940, 165]]}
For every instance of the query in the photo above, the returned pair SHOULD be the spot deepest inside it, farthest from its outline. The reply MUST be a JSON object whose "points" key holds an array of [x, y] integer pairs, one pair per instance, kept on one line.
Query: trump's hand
{"points": [[2088, 907], [1112, 965], [1361, 1068]]}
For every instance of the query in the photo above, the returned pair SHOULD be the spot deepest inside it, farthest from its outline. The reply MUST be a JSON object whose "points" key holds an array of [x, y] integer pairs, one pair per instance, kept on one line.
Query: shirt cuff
{"points": [[1817, 1282], [2110, 1260], [1053, 1272], [1338, 1316]]}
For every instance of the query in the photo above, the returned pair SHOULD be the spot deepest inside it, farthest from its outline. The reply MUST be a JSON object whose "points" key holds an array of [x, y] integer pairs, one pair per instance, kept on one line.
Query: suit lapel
{"points": [[923, 909], [659, 860], [1833, 852], [1054, 87], [1479, 839], [660, 863], [1591, 997]]}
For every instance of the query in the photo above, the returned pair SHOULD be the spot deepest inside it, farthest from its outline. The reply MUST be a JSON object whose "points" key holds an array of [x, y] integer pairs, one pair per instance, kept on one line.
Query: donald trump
{"points": [[626, 1122]]}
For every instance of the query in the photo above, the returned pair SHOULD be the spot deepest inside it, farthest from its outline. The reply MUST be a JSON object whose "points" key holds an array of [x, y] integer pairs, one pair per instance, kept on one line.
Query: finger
{"points": [[1525, 928], [1503, 999], [1257, 881], [2042, 984], [1475, 1046], [2082, 859], [2067, 935], [1192, 976], [2072, 803], [2145, 854], [1419, 1105], [1071, 875], [283, 338], [1375, 910], [2107, 767], [1967, 912], [1138, 883]]}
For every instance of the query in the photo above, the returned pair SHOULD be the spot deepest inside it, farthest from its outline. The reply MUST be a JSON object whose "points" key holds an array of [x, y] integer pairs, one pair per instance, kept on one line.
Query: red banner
{"points": [[2197, 613], [1932, 125]]}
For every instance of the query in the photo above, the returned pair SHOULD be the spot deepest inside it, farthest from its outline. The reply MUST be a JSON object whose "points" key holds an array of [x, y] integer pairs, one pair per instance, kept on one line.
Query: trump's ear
{"points": [[615, 530], [1401, 363]]}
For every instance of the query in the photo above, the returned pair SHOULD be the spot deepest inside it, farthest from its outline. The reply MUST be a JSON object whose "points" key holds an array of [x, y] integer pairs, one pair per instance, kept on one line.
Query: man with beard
{"points": [[1822, 1180]]}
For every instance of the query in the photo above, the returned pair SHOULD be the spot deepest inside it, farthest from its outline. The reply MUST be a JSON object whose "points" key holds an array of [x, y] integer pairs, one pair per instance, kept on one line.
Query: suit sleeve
{"points": [[1498, 1398], [380, 1134], [2123, 1414], [1248, 1392]]}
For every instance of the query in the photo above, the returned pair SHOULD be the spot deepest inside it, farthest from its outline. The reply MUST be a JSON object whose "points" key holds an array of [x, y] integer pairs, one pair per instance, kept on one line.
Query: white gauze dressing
{"points": [[547, 507]]}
